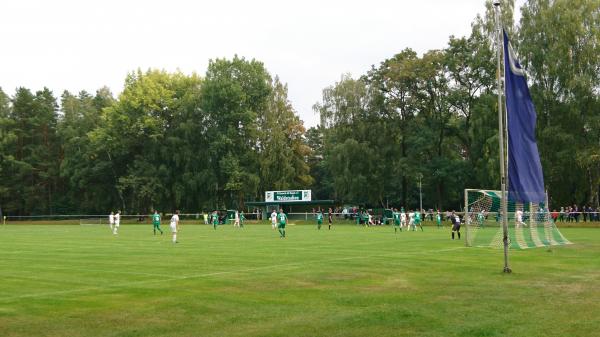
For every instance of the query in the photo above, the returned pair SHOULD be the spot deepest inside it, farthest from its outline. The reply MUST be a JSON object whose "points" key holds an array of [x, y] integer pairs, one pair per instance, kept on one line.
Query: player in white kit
{"points": [[117, 222], [403, 218], [111, 220], [236, 223], [519, 220], [411, 221], [274, 219], [175, 225]]}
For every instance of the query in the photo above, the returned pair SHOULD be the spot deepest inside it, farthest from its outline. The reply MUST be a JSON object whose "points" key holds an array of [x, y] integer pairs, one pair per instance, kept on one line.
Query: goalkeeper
{"points": [[156, 222], [455, 224]]}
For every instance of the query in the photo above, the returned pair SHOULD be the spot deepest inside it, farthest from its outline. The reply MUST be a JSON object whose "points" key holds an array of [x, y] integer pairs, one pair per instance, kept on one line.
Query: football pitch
{"points": [[60, 280]]}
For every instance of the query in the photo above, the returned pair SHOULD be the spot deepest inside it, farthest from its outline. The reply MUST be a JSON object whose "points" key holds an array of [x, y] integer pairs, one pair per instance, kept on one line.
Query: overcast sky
{"points": [[83, 45]]}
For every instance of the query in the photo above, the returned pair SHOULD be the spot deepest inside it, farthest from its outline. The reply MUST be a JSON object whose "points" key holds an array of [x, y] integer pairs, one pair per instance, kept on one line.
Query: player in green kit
{"points": [[319, 219], [242, 218], [156, 222], [418, 219], [215, 220], [282, 221], [480, 218], [396, 221], [438, 219], [366, 218]]}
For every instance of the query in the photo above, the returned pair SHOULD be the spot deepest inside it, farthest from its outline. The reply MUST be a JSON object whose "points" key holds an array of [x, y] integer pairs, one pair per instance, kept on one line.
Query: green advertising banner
{"points": [[286, 196]]}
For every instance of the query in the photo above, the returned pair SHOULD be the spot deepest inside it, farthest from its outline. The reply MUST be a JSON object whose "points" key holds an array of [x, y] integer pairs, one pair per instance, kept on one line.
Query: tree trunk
{"points": [[404, 181]]}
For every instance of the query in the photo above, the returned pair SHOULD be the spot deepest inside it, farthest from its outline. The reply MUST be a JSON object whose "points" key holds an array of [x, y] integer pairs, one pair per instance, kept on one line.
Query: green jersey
{"points": [[156, 219], [215, 219], [282, 218], [417, 217], [319, 217], [396, 218]]}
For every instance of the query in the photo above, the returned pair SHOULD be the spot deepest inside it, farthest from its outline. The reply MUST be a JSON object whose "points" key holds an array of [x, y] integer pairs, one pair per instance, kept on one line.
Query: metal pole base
{"points": [[507, 270]]}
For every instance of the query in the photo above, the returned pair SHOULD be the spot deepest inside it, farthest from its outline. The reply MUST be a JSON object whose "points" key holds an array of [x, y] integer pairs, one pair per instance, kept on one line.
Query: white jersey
{"points": [[519, 216], [111, 219], [174, 221], [117, 219], [403, 217], [411, 218], [274, 217]]}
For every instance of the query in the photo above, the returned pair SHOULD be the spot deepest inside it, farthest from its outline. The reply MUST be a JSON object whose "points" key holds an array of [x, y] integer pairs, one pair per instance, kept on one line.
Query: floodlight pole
{"points": [[420, 194], [501, 137]]}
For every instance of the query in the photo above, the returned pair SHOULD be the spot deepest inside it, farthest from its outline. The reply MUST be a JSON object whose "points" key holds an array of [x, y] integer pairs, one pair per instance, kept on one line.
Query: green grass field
{"points": [[352, 281]]}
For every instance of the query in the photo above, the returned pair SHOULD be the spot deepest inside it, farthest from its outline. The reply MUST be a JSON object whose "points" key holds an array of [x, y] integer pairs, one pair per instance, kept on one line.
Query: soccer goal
{"points": [[92, 222], [529, 224]]}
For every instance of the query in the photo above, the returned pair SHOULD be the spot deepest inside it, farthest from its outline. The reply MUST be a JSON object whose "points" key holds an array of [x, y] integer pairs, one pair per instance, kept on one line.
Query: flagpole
{"points": [[501, 138]]}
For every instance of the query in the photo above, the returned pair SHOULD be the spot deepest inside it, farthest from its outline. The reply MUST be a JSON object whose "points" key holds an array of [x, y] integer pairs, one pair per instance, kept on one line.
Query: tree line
{"points": [[192, 142]]}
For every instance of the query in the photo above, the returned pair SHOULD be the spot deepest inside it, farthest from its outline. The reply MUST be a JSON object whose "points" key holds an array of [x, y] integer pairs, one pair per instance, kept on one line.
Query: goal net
{"points": [[530, 225], [93, 222]]}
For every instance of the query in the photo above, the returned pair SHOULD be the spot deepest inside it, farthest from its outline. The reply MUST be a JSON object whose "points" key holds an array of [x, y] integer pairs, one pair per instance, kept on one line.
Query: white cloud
{"points": [[83, 45]]}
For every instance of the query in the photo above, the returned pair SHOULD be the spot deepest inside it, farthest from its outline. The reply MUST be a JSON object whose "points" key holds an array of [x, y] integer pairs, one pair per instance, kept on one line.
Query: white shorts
{"points": [[173, 228], [116, 224]]}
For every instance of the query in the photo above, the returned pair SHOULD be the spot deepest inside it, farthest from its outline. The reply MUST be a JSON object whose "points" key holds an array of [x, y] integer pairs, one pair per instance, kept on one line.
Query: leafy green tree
{"points": [[322, 187], [563, 65], [235, 92], [142, 141], [84, 190], [283, 152], [7, 146], [34, 155], [353, 142], [396, 84]]}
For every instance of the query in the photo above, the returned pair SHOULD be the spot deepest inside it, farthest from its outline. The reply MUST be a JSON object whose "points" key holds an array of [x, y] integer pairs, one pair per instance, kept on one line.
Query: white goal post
{"points": [[529, 224]]}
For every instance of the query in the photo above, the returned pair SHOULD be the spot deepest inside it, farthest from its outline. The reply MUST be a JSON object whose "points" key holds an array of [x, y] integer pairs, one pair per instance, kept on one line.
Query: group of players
{"points": [[114, 221], [400, 220], [279, 220]]}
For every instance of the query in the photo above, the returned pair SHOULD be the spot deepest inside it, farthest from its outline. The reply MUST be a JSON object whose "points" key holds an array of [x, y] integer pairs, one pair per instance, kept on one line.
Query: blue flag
{"points": [[525, 177]]}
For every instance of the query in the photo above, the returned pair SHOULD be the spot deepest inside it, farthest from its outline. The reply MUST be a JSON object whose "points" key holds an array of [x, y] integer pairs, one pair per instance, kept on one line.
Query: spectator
{"points": [[561, 214], [554, 215]]}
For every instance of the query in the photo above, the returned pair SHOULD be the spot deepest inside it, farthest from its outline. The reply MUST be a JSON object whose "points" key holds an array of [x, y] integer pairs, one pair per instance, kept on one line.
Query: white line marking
{"points": [[104, 271], [187, 277]]}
